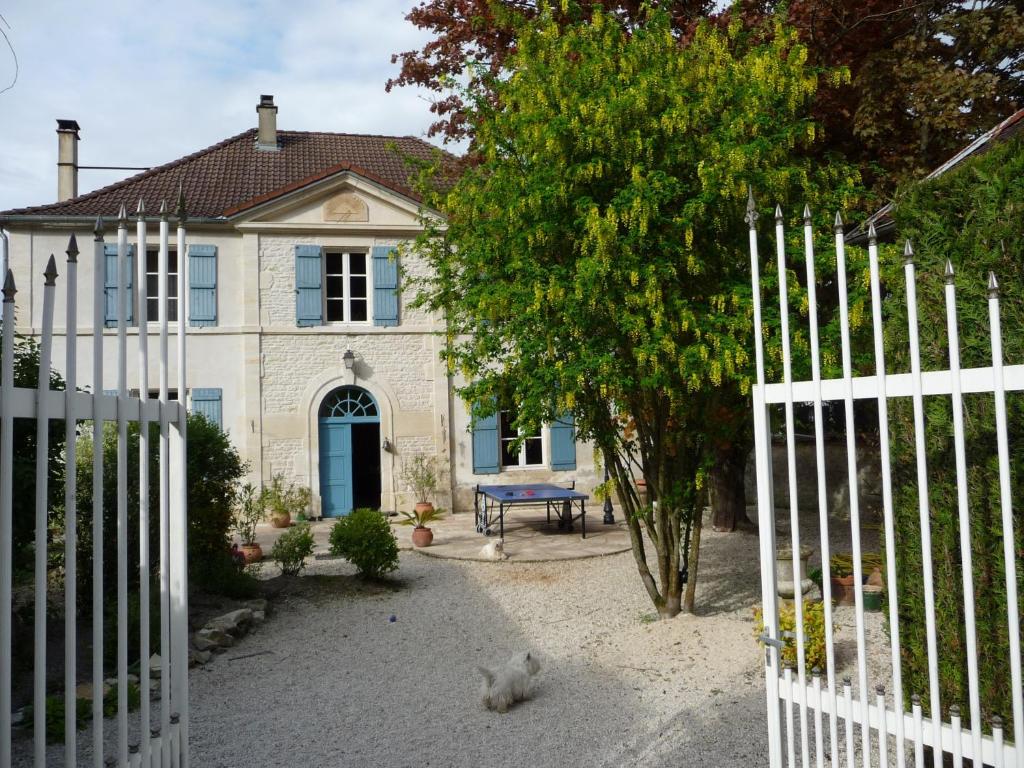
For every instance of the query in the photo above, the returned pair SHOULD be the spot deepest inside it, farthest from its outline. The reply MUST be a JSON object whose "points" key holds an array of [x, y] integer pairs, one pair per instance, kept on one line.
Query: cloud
{"points": [[148, 86]]}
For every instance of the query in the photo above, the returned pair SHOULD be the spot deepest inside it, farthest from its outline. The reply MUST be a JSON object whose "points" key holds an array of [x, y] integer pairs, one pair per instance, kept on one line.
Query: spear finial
{"points": [[949, 272], [122, 216], [872, 235], [72, 250], [839, 224], [97, 230], [163, 210], [9, 287], [141, 210], [993, 286], [908, 253], [807, 214], [751, 217], [50, 273], [778, 213]]}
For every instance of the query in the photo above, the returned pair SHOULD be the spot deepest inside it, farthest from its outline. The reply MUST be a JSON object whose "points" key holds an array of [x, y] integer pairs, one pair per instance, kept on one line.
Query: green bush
{"points": [[814, 633], [966, 216], [292, 548], [214, 471], [365, 539]]}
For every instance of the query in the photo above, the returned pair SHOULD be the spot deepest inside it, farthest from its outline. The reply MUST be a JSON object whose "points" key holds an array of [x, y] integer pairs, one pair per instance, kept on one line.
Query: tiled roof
{"points": [[234, 175]]}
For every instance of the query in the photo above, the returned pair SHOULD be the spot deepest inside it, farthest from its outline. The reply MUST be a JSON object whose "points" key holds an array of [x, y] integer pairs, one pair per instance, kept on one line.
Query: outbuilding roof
{"points": [[232, 176]]}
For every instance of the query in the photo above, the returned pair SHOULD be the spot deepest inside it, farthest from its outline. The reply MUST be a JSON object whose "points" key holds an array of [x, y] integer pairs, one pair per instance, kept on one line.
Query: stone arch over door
{"points": [[316, 392]]}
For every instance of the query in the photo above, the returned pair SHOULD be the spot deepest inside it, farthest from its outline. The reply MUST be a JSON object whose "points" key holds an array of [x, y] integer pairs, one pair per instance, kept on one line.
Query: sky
{"points": [[151, 82]]}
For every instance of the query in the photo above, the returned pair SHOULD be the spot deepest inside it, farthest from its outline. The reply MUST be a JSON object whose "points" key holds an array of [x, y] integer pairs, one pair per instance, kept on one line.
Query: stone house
{"points": [[302, 341]]}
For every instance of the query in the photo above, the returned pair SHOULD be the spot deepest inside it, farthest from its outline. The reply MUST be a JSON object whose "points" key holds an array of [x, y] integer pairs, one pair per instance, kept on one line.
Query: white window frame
{"points": [[346, 277], [172, 279], [522, 465]]}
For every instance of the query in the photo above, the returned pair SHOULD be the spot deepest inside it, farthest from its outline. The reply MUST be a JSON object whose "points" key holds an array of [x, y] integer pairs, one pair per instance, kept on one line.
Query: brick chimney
{"points": [[266, 138], [67, 159]]}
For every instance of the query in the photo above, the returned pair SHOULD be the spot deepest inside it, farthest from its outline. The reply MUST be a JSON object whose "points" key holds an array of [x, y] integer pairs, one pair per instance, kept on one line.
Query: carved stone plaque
{"points": [[346, 206]]}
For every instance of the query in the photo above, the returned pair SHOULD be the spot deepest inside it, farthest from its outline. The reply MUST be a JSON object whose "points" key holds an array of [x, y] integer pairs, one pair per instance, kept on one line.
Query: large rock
{"points": [[155, 665], [259, 604], [195, 658], [219, 637], [234, 623], [258, 617], [201, 643]]}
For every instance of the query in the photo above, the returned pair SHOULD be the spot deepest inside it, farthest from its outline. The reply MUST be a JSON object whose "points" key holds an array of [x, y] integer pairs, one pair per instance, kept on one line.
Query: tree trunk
{"points": [[694, 560], [727, 492]]}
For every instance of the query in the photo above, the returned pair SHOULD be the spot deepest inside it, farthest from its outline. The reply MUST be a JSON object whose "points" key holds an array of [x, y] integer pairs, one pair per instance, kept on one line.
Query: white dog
{"points": [[506, 685], [494, 550]]}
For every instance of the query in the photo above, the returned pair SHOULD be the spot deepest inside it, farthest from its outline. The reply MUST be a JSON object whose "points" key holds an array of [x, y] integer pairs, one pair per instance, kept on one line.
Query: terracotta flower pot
{"points": [[253, 552], [842, 590], [281, 519], [421, 537], [424, 506]]}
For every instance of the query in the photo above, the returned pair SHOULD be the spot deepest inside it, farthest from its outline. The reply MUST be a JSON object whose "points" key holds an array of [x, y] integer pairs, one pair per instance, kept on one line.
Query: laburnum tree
{"points": [[590, 260], [925, 77]]}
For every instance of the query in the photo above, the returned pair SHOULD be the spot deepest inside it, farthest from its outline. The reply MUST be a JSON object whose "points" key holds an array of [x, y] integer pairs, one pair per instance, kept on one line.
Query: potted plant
{"points": [[841, 572], [249, 510], [421, 534], [420, 476], [284, 499]]}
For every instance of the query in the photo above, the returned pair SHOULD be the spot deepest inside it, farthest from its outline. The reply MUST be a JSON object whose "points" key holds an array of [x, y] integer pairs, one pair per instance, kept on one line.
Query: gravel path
{"points": [[340, 685], [328, 680]]}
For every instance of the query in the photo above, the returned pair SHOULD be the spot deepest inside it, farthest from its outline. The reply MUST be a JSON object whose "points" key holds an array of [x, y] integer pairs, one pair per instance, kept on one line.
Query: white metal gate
{"points": [[149, 738], [799, 700]]}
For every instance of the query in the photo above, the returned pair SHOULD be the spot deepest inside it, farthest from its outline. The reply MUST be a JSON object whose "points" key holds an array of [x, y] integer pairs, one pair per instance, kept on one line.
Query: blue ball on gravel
{"points": [[393, 618]]}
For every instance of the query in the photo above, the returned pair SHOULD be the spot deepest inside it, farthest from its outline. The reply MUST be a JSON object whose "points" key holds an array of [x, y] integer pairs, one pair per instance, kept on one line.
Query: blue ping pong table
{"points": [[491, 499]]}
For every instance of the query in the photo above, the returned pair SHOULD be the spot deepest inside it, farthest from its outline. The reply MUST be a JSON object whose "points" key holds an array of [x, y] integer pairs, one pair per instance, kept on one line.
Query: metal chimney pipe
{"points": [[67, 159]]}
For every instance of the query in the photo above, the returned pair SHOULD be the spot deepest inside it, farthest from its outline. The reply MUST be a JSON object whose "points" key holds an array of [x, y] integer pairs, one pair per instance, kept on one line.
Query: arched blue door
{"points": [[349, 451]]}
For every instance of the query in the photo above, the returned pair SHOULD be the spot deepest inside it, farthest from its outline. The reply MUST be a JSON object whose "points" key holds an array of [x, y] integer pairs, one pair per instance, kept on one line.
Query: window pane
{"points": [[152, 261], [335, 311], [172, 262], [334, 263], [172, 310], [509, 457], [152, 307], [172, 287], [357, 263], [152, 285], [507, 430], [534, 451], [357, 287], [335, 286], [358, 310]]}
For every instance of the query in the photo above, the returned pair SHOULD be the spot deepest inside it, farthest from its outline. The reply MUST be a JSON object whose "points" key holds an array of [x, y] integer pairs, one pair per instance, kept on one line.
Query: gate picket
{"points": [[855, 708]]}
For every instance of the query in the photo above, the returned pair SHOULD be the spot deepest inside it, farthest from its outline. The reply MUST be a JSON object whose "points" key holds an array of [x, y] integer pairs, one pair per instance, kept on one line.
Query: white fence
{"points": [[797, 696], [143, 739]]}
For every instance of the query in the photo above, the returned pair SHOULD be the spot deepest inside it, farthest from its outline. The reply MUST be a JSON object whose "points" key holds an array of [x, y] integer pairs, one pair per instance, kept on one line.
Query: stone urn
{"points": [[422, 537], [784, 571]]}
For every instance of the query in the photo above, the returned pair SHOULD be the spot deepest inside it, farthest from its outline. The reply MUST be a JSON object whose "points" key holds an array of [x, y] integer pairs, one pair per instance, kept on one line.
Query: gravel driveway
{"points": [[337, 684]]}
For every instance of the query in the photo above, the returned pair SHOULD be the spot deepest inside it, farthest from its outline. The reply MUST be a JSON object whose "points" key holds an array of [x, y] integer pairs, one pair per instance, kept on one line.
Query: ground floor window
{"points": [[528, 453]]}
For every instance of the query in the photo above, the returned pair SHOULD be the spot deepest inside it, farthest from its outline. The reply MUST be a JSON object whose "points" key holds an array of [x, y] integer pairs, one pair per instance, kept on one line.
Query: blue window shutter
{"points": [[486, 460], [309, 301], [563, 443], [385, 286], [110, 284], [202, 285], [207, 402]]}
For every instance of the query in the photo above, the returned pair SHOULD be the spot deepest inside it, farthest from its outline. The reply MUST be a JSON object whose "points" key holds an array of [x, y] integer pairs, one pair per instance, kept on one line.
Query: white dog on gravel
{"points": [[506, 685], [494, 550]]}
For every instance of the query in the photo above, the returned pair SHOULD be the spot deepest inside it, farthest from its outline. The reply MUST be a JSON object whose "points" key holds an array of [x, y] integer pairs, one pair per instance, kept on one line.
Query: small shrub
{"points": [[250, 507], [365, 539], [282, 498], [419, 473], [422, 519], [292, 548], [814, 633]]}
